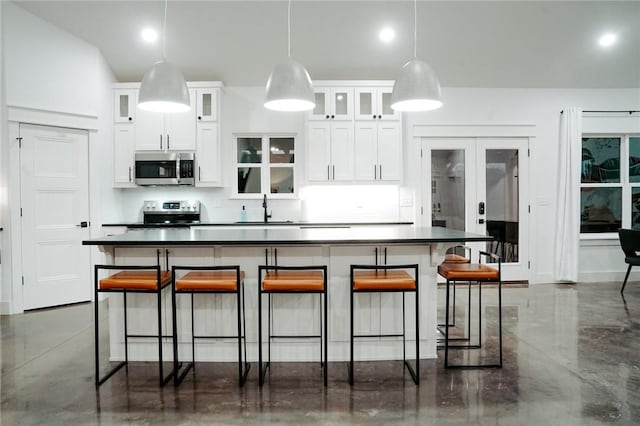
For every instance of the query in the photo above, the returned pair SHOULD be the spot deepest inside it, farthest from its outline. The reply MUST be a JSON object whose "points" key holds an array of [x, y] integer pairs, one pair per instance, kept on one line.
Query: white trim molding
{"points": [[474, 130], [20, 114]]}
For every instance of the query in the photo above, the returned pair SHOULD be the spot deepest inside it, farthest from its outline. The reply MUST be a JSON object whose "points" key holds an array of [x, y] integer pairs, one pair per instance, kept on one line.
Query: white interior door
{"points": [[481, 185], [55, 215]]}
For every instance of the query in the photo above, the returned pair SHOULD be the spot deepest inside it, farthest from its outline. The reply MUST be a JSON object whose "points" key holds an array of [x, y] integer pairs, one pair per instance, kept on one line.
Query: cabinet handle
{"points": [[379, 116], [199, 175], [374, 116], [333, 116], [129, 173], [328, 176], [199, 117], [334, 171], [375, 172], [168, 142], [380, 171], [327, 116], [130, 119], [160, 141]]}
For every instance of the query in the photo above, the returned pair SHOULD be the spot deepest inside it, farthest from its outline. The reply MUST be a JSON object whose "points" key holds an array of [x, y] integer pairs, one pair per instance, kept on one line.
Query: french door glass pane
{"points": [[600, 209], [502, 202], [600, 160], [448, 188], [249, 150], [635, 208], [634, 159]]}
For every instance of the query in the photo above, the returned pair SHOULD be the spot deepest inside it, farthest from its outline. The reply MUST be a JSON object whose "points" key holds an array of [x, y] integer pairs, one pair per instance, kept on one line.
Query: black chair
{"points": [[630, 243]]}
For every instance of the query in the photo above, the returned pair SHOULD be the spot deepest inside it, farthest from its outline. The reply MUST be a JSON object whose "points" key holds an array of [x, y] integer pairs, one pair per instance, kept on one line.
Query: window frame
{"points": [[265, 166], [625, 184]]}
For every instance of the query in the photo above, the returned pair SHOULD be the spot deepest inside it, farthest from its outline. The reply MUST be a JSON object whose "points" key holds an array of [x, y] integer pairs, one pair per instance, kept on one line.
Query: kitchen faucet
{"points": [[264, 205]]}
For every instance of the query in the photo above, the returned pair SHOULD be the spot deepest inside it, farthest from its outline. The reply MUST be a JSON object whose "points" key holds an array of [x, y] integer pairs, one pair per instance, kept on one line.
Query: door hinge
{"points": [[19, 139]]}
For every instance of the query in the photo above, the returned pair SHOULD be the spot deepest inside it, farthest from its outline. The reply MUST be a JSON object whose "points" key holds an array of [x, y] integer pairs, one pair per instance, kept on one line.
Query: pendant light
{"points": [[417, 87], [163, 88], [289, 85]]}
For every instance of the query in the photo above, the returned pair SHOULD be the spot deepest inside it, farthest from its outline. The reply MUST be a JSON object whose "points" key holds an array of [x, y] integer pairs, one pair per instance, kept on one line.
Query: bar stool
{"points": [[457, 255], [480, 273], [210, 280], [150, 279], [386, 279], [274, 280]]}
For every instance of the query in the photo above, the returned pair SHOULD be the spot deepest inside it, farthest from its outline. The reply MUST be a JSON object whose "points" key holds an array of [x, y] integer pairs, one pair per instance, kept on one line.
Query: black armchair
{"points": [[630, 243]]}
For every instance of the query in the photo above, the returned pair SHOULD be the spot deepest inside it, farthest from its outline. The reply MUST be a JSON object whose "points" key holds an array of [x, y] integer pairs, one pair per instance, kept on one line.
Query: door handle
{"points": [[334, 172], [160, 141], [82, 224], [481, 207], [375, 172], [168, 142], [129, 173], [380, 171], [481, 221]]}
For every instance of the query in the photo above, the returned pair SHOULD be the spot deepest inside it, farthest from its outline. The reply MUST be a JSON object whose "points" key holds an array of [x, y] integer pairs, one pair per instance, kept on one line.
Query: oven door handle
{"points": [[178, 169]]}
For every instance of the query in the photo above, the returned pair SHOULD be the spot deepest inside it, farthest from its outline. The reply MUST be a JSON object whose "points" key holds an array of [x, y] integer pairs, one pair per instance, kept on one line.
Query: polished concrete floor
{"points": [[572, 357]]}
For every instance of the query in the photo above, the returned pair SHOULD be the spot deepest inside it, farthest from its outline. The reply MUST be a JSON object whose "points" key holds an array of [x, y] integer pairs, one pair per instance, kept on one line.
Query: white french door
{"points": [[481, 185], [55, 214]]}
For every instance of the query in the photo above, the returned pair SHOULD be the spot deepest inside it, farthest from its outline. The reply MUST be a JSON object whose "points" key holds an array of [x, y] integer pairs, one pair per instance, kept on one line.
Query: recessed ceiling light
{"points": [[387, 34], [149, 35], [607, 40]]}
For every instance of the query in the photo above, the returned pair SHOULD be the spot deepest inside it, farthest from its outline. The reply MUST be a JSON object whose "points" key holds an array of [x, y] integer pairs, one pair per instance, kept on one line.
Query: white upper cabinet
{"points": [[378, 151], [329, 152], [332, 103], [208, 155], [124, 105], [124, 147], [157, 131], [374, 103]]}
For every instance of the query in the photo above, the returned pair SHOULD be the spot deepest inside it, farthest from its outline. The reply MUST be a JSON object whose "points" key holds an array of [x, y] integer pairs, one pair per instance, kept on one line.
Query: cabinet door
{"points": [[341, 104], [385, 112], [342, 151], [366, 155], [208, 155], [322, 110], [207, 105], [318, 151], [389, 151], [124, 105], [366, 107], [180, 128], [123, 152], [150, 134]]}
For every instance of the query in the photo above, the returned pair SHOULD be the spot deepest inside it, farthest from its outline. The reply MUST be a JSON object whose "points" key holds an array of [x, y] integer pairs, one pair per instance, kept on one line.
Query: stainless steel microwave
{"points": [[164, 168]]}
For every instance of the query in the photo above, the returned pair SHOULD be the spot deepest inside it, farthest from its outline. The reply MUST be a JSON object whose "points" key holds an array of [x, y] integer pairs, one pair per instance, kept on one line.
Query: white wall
{"points": [[540, 107], [49, 69], [4, 294]]}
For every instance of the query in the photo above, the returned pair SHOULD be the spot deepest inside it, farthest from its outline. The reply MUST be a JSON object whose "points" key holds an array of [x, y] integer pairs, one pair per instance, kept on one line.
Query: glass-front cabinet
{"points": [[374, 103], [124, 105], [332, 103], [207, 104]]}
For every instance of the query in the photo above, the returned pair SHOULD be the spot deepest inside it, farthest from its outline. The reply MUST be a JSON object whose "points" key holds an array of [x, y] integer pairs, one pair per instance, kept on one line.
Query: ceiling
{"points": [[469, 43]]}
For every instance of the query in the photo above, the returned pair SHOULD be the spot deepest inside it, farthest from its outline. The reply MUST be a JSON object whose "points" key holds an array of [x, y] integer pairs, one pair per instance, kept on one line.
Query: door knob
{"points": [[83, 224]]}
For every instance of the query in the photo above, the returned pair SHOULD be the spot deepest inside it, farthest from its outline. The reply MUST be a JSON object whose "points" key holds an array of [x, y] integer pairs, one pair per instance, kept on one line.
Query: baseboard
{"points": [[597, 276], [5, 308]]}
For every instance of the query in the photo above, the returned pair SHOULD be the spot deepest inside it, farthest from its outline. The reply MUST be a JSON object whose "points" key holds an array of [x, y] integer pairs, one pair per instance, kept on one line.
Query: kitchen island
{"points": [[337, 247]]}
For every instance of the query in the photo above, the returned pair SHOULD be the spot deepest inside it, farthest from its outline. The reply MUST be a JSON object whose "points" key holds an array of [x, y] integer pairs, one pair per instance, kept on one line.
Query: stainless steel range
{"points": [[171, 212]]}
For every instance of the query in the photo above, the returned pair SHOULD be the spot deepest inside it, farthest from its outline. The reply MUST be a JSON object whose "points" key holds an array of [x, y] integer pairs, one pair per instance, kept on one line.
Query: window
{"points": [[265, 165], [610, 183]]}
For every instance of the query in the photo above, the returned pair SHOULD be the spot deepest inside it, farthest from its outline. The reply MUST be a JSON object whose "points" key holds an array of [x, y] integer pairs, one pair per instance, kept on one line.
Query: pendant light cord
{"points": [[289, 29], [164, 31], [415, 29]]}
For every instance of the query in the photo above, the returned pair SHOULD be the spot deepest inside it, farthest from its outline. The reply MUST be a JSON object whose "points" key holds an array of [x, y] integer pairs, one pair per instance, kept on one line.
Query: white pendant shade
{"points": [[164, 89], [289, 88], [416, 89]]}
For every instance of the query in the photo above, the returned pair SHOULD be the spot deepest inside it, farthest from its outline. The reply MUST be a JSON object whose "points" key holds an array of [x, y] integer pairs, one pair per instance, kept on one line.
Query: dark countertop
{"points": [[138, 225], [404, 235]]}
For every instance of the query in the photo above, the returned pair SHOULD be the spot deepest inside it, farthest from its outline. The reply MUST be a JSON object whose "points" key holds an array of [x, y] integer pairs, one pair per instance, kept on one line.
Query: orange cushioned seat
{"points": [[468, 272], [294, 280], [383, 280], [209, 280], [135, 280], [455, 258]]}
